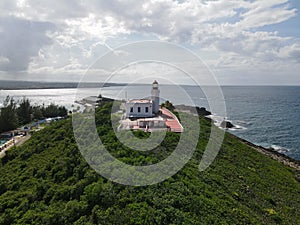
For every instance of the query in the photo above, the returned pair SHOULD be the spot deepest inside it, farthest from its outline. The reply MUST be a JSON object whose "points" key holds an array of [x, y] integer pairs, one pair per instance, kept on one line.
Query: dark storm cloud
{"points": [[20, 40]]}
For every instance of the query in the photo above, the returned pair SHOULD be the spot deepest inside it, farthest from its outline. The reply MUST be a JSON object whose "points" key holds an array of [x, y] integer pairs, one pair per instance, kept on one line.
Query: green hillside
{"points": [[47, 181]]}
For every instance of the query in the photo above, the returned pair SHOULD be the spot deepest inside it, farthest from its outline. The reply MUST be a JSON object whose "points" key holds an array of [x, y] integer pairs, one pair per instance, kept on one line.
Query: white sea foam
{"points": [[242, 122], [219, 119], [237, 127], [279, 149]]}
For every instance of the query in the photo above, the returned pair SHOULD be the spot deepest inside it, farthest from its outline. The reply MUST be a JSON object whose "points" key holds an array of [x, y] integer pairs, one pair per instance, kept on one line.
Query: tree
{"points": [[168, 105], [8, 117], [53, 110], [37, 112], [62, 111], [24, 111]]}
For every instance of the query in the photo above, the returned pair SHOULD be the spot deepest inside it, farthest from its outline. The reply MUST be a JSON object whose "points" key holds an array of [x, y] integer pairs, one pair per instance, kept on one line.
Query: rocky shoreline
{"points": [[284, 159]]}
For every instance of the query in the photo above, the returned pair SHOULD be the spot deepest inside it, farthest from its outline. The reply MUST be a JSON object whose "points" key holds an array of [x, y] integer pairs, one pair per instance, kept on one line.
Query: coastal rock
{"points": [[278, 149], [202, 111], [226, 124]]}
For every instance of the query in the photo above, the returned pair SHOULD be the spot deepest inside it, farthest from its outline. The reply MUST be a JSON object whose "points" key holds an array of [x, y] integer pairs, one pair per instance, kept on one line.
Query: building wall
{"points": [[155, 105], [135, 112], [155, 98], [152, 124]]}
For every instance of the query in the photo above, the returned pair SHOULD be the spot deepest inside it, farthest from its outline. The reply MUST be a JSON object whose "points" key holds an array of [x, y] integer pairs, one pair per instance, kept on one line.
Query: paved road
{"points": [[19, 140]]}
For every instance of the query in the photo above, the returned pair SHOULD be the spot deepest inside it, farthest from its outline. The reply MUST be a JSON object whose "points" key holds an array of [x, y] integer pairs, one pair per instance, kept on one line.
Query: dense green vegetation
{"points": [[13, 115], [47, 181], [167, 104]]}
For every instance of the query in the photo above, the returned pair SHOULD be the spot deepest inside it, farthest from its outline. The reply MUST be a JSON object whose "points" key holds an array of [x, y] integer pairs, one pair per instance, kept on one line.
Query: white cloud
{"points": [[263, 13], [3, 60], [290, 52], [233, 30]]}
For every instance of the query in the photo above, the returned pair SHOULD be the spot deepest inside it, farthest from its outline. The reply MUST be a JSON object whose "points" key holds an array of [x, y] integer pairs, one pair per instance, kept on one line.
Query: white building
{"points": [[146, 115], [137, 108], [144, 108]]}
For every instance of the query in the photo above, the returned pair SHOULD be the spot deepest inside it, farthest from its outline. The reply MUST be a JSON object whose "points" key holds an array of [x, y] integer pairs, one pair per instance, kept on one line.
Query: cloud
{"points": [[3, 60], [67, 36], [290, 52], [262, 13], [20, 40]]}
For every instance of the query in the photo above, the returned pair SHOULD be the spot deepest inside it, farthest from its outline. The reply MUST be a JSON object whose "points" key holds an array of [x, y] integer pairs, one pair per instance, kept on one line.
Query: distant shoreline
{"points": [[20, 85]]}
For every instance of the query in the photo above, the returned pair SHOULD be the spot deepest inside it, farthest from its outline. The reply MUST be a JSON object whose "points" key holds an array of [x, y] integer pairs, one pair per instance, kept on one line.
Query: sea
{"points": [[268, 116]]}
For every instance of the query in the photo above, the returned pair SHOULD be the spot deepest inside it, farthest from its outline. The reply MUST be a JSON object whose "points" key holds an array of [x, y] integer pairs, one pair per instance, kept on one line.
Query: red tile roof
{"points": [[171, 121]]}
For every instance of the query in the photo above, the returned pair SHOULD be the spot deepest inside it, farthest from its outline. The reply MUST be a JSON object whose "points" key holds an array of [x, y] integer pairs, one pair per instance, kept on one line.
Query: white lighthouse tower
{"points": [[155, 97]]}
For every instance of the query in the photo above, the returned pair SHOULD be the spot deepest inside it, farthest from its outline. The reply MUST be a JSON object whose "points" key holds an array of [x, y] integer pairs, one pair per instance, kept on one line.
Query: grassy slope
{"points": [[46, 181]]}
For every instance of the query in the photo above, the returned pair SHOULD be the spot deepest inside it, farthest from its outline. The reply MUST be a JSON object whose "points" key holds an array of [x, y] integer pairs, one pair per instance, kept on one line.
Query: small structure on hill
{"points": [[144, 108], [146, 114]]}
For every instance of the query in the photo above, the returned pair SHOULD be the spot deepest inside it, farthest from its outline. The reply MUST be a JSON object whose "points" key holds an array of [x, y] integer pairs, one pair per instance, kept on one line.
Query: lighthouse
{"points": [[155, 97], [145, 114]]}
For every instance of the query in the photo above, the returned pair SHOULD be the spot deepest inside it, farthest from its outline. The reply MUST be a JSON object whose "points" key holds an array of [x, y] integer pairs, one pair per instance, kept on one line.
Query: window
{"points": [[139, 109], [146, 109], [131, 109]]}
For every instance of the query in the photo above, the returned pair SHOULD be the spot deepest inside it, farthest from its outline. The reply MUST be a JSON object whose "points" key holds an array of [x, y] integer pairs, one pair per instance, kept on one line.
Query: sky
{"points": [[243, 42]]}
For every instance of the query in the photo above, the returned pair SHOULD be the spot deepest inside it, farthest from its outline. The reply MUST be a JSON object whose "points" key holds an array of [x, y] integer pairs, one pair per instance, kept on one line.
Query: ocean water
{"points": [[65, 97], [269, 116], [265, 115]]}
